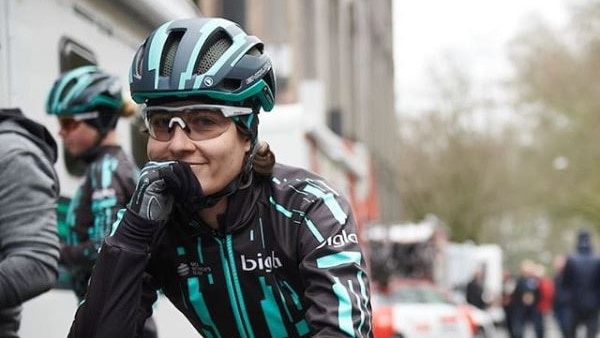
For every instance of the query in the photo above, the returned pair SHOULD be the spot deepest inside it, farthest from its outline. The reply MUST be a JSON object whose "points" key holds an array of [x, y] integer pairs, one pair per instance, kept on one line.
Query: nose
{"points": [[180, 142], [62, 131]]}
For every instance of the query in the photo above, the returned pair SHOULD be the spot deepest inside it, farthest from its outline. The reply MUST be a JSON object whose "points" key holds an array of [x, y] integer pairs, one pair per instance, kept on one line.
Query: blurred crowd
{"points": [[570, 295]]}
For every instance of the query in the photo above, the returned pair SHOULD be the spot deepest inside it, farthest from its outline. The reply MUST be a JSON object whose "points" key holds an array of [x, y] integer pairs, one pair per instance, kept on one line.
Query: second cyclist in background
{"points": [[88, 103]]}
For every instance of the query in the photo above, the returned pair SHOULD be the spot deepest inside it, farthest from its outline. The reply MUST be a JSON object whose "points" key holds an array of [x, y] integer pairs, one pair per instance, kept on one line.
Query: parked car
{"points": [[418, 309], [482, 322]]}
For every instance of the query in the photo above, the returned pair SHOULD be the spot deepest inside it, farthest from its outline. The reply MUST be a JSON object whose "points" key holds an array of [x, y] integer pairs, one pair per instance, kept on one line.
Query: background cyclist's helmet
{"points": [[85, 90], [210, 59]]}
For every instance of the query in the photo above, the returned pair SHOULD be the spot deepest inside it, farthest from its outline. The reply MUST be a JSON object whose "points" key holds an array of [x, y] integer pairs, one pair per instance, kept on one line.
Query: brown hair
{"points": [[129, 108], [264, 160]]}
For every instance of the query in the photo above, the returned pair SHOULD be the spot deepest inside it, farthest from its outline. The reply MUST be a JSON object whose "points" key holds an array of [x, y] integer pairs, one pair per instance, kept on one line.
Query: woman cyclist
{"points": [[240, 253]]}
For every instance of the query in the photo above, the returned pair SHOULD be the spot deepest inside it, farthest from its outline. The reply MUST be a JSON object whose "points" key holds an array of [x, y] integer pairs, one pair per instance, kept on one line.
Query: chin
{"points": [[74, 153]]}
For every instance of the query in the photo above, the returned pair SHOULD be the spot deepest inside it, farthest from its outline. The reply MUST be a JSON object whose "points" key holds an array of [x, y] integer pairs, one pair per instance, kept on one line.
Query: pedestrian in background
{"points": [[544, 306], [526, 297], [560, 303], [581, 279], [29, 190], [475, 294], [508, 289]]}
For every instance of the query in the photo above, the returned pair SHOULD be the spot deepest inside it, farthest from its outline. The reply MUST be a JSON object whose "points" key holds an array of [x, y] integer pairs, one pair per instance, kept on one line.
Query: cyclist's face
{"points": [[77, 136], [216, 161]]}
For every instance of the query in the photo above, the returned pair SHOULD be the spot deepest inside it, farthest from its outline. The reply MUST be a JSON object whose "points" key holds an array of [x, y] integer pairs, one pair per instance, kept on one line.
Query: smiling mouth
{"points": [[194, 163]]}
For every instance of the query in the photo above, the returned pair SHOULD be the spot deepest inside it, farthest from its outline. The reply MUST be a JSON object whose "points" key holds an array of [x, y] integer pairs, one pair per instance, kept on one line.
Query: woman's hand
{"points": [[151, 200]]}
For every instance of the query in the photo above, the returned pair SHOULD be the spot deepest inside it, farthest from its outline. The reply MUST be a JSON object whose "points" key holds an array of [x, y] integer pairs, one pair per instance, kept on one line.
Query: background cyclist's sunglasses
{"points": [[71, 122], [199, 121]]}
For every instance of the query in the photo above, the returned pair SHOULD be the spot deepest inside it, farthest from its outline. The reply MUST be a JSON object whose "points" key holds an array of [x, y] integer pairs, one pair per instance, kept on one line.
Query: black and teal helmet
{"points": [[86, 90], [204, 58]]}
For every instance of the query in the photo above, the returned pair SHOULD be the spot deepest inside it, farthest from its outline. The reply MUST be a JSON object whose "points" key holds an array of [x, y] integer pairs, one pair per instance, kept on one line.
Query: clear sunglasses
{"points": [[199, 121]]}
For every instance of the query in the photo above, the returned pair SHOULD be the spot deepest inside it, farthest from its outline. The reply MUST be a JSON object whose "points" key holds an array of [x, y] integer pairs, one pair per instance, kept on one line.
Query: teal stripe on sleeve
{"points": [[330, 201], [117, 221], [344, 308], [280, 208], [339, 258], [313, 229], [360, 299]]}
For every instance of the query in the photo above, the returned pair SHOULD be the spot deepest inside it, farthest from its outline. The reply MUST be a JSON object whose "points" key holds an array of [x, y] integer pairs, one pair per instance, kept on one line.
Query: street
{"points": [[551, 330]]}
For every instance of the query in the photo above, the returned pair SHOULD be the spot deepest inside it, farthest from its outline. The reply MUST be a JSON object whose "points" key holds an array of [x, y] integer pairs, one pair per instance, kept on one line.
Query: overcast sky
{"points": [[475, 31]]}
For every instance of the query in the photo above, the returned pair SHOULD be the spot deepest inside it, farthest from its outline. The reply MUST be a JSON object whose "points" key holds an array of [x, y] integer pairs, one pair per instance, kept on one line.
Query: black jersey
{"points": [[108, 183], [285, 262]]}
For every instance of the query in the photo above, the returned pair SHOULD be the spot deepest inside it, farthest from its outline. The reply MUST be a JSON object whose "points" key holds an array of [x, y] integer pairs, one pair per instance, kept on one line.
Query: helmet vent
{"points": [[138, 59], [96, 81], [210, 55], [169, 51], [67, 89]]}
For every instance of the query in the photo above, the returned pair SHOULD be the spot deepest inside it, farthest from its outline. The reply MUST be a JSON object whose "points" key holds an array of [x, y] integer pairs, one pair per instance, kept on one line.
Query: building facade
{"points": [[344, 48]]}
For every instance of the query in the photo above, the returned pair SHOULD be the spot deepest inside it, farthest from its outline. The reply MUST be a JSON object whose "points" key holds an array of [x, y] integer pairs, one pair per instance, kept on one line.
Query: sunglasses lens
{"points": [[198, 124], [68, 123], [158, 125]]}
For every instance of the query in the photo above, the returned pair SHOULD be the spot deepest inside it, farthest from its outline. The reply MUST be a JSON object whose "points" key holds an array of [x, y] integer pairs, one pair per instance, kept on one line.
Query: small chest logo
{"points": [[103, 194], [192, 269]]}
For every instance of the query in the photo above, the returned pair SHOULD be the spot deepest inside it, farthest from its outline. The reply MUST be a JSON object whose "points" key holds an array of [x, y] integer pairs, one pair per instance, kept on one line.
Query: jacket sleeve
{"points": [[333, 268], [119, 296], [28, 234]]}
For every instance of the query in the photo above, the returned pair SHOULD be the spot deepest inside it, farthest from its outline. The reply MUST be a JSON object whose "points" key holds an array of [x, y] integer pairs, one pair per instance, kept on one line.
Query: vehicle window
{"points": [[412, 294], [73, 55]]}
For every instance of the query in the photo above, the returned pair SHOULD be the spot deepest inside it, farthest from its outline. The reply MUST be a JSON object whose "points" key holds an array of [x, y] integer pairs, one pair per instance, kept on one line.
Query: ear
{"points": [[247, 143], [245, 137]]}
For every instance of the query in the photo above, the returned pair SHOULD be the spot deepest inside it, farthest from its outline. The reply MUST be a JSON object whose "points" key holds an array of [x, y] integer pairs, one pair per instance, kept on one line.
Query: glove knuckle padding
{"points": [[150, 199], [163, 183]]}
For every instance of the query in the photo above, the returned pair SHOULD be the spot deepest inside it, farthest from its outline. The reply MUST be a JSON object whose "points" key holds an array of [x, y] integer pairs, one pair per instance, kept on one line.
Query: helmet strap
{"points": [[246, 174], [92, 153], [103, 126]]}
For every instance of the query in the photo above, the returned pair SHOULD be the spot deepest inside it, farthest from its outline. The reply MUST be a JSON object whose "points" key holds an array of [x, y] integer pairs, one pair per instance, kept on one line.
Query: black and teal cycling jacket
{"points": [[109, 181], [285, 262]]}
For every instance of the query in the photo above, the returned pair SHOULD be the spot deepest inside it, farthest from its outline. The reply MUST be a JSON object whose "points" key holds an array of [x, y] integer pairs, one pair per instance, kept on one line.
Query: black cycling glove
{"points": [[183, 185], [151, 200]]}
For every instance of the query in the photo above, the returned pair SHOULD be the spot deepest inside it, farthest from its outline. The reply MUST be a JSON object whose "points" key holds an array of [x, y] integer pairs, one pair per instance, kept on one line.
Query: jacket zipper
{"points": [[234, 288]]}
